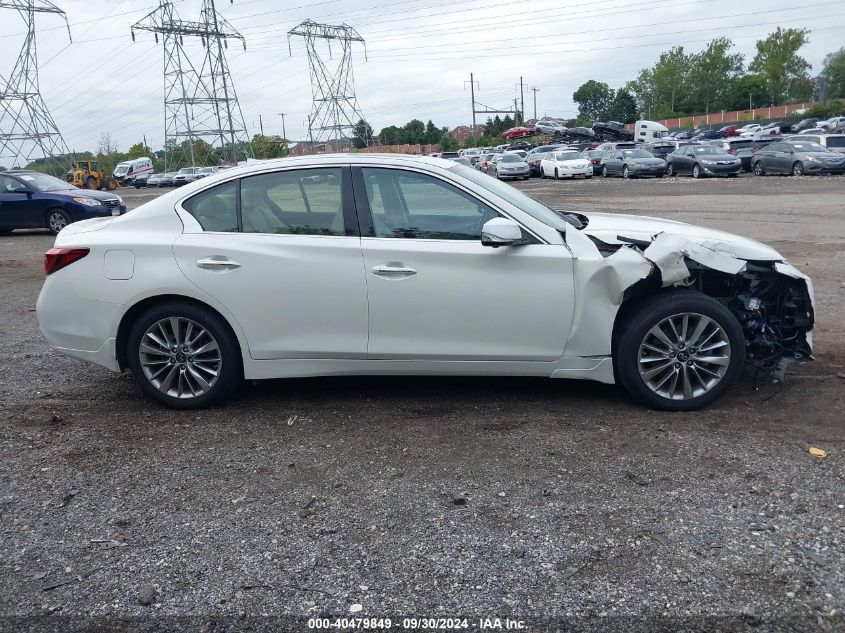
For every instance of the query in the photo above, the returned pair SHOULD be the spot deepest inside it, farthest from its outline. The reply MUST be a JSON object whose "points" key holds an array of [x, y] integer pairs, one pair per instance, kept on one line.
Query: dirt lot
{"points": [[521, 498]]}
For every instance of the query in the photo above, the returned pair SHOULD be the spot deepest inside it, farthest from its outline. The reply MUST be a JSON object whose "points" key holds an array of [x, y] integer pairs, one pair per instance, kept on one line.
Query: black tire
{"points": [[658, 175], [732, 175], [57, 220], [230, 372], [6, 231], [670, 170], [798, 168], [588, 177], [696, 171], [604, 172], [758, 169], [654, 311], [557, 175], [90, 183]]}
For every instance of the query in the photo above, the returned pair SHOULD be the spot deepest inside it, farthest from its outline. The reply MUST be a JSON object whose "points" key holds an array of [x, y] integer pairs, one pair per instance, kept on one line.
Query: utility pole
{"points": [[521, 101], [261, 124], [472, 96], [284, 134], [535, 90], [335, 110], [27, 131]]}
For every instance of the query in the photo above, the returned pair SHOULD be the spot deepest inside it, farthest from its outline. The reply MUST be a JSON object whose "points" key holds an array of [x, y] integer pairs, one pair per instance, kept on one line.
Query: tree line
{"points": [[715, 79]]}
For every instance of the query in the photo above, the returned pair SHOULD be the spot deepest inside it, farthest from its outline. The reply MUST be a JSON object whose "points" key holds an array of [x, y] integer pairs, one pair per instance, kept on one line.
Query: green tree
{"points": [[623, 108], [642, 88], [432, 133], [833, 74], [362, 135], [137, 151], [713, 72], [414, 132], [448, 143], [749, 91], [670, 79], [785, 73], [265, 147], [389, 135], [594, 100]]}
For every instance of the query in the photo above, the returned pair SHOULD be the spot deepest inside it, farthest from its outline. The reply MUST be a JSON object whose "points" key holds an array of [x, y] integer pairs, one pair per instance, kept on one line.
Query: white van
{"points": [[126, 172], [649, 131]]}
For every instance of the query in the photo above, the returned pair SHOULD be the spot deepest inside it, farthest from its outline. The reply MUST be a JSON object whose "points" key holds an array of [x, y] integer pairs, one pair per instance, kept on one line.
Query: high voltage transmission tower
{"points": [[203, 122], [335, 112], [27, 131]]}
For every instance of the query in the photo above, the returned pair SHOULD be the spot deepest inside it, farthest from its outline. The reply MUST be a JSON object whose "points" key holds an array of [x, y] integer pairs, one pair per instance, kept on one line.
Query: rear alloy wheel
{"points": [[680, 351], [184, 356], [696, 171], [758, 169], [57, 220], [798, 169]]}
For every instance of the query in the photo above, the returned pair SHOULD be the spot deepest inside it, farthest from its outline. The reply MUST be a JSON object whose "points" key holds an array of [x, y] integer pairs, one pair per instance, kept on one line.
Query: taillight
{"points": [[57, 258]]}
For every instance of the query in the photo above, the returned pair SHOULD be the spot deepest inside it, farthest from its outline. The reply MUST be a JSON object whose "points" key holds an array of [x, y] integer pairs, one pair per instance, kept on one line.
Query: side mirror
{"points": [[500, 232]]}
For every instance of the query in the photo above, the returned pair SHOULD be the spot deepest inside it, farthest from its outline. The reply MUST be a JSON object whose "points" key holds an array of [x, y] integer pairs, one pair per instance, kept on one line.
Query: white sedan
{"points": [[377, 264], [566, 164]]}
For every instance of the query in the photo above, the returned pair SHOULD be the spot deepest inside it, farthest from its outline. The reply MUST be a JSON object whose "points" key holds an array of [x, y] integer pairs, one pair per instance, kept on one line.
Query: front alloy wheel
{"points": [[57, 220], [798, 169], [696, 171], [680, 351], [183, 355]]}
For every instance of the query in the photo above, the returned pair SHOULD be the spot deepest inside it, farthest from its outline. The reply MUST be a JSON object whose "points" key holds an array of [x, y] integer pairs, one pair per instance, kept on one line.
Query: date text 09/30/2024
{"points": [[418, 624]]}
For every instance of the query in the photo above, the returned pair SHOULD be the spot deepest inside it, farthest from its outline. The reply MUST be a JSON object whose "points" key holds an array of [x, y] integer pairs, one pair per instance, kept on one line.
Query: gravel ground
{"points": [[561, 504]]}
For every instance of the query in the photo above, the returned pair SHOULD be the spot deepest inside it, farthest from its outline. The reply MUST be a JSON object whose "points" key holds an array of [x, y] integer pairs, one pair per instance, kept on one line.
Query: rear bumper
{"points": [[76, 325]]}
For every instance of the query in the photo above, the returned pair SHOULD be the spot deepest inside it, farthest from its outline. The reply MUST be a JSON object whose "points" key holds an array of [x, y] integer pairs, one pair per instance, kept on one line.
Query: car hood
{"points": [[614, 228], [84, 193]]}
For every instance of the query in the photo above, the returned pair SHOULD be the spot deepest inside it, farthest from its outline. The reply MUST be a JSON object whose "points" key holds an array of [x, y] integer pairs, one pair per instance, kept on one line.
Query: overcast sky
{"points": [[420, 54]]}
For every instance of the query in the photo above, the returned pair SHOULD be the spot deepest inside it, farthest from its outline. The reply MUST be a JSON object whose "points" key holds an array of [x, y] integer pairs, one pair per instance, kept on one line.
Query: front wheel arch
{"points": [[136, 310]]}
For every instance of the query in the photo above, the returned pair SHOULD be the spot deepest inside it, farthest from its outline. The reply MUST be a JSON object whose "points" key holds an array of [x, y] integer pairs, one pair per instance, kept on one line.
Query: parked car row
{"points": [[811, 154], [175, 178]]}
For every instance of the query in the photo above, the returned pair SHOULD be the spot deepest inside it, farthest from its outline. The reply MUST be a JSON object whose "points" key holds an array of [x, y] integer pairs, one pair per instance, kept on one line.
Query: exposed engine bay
{"points": [[772, 300]]}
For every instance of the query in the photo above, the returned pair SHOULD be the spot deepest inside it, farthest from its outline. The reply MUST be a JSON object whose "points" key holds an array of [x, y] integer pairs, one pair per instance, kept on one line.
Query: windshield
{"points": [[43, 182], [809, 147], [186, 170], [597, 153], [636, 153], [511, 158], [710, 150], [122, 169], [532, 207], [569, 155], [206, 170]]}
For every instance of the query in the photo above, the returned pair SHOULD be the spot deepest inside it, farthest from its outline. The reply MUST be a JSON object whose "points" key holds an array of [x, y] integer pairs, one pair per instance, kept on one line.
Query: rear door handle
{"points": [[217, 263], [383, 270]]}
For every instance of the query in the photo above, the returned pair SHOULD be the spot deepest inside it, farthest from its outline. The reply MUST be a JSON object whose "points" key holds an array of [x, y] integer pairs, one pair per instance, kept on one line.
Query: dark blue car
{"points": [[32, 200]]}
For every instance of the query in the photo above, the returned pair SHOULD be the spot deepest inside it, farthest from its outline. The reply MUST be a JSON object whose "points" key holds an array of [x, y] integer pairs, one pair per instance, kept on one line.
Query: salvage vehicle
{"points": [[406, 265], [797, 159], [511, 165], [566, 164], [32, 200], [632, 163], [702, 161], [127, 172]]}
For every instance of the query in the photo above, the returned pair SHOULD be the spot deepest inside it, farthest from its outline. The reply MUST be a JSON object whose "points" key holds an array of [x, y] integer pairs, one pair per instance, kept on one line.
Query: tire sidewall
{"points": [[231, 372], [651, 312]]}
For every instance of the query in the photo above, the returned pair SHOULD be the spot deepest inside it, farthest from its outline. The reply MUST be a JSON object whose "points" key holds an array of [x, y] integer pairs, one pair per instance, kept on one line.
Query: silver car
{"points": [[511, 166], [550, 127]]}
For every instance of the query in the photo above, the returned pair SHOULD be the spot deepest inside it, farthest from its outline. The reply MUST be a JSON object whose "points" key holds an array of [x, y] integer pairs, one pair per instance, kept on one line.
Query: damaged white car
{"points": [[348, 264]]}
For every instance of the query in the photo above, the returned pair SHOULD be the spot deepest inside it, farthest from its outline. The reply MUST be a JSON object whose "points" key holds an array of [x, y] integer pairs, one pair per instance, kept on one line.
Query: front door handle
{"points": [[386, 270], [217, 263]]}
